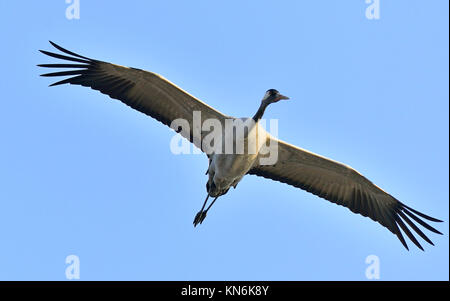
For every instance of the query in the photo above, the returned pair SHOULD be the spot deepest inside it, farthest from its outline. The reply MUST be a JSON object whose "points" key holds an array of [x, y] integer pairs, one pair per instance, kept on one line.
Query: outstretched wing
{"points": [[144, 91], [344, 186]]}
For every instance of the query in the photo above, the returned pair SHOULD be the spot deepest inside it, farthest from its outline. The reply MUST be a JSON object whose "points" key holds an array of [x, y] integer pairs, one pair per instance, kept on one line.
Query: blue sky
{"points": [[86, 175]]}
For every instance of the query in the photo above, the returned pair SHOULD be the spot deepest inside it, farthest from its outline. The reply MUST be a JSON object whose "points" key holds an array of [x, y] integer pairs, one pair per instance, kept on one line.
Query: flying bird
{"points": [[157, 97]]}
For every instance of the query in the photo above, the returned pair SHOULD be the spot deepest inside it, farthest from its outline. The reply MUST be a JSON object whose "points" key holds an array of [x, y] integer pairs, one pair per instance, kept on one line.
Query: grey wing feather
{"points": [[144, 91], [344, 186]]}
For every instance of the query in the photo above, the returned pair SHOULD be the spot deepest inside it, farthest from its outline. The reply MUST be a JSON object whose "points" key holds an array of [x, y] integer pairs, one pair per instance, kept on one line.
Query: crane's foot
{"points": [[199, 217]]}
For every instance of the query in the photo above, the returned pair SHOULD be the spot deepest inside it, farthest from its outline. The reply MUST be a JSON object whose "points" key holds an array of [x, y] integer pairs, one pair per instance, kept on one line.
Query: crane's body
{"points": [[227, 169], [160, 99]]}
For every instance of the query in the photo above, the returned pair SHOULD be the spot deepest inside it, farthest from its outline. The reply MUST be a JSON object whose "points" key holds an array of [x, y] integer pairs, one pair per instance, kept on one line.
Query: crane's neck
{"points": [[259, 114]]}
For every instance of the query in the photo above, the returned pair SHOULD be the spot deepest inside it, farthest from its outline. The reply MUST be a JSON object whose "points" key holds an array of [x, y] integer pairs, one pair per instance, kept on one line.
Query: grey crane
{"points": [[156, 97]]}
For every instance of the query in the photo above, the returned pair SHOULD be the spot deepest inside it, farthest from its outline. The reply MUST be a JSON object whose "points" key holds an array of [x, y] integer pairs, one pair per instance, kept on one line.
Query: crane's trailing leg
{"points": [[200, 216], [202, 213], [206, 211]]}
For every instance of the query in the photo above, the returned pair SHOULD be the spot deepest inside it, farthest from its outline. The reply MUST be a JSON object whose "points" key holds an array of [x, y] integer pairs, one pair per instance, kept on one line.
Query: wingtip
{"points": [[421, 214]]}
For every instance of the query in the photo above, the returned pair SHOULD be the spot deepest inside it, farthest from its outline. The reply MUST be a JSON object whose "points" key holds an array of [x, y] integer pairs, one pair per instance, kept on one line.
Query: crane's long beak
{"points": [[280, 97]]}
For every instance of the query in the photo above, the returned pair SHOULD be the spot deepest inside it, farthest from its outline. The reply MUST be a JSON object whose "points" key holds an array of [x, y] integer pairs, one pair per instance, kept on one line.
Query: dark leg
{"points": [[211, 204], [200, 213], [202, 217]]}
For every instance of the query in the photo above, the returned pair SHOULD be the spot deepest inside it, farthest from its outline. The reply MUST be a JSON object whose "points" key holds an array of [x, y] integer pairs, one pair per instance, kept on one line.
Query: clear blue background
{"points": [[83, 174]]}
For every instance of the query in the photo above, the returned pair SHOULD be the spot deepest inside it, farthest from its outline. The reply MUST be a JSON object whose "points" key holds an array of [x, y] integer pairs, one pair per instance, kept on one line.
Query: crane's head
{"points": [[272, 96]]}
